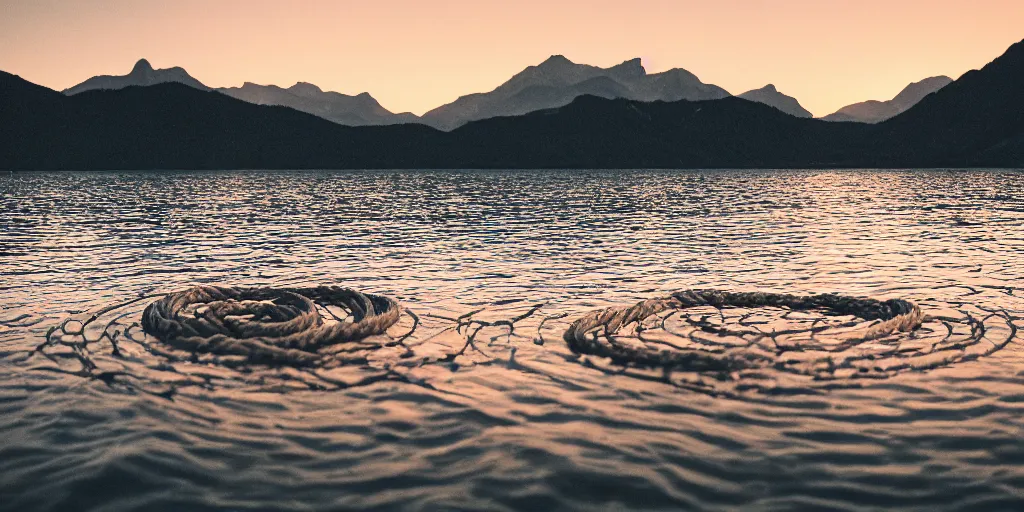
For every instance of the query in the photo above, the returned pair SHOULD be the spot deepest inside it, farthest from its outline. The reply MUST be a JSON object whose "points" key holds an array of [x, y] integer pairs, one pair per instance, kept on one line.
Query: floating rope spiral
{"points": [[583, 337], [268, 339], [326, 338], [266, 325]]}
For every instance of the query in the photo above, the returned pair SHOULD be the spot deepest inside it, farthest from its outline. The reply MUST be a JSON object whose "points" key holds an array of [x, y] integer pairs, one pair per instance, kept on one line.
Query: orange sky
{"points": [[413, 55]]}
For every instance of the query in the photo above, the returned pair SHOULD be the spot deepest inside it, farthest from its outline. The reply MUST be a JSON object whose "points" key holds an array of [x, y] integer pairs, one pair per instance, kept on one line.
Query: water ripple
{"points": [[526, 426]]}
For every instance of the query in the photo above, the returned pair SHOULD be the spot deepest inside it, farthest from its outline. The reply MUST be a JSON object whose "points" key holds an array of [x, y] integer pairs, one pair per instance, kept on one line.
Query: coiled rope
{"points": [[582, 336], [266, 325], [325, 338]]}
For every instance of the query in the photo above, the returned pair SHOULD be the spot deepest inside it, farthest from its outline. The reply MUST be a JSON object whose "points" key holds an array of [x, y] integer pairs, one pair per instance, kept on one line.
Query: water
{"points": [[538, 428]]}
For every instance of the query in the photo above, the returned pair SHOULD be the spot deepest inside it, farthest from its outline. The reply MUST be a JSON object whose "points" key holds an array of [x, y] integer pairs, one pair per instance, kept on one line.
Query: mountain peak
{"points": [[770, 95], [305, 89], [142, 75], [916, 91], [556, 60], [632, 68], [141, 67]]}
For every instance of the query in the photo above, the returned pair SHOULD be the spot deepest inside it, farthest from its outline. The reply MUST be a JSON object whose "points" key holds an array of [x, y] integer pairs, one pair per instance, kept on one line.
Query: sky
{"points": [[414, 55]]}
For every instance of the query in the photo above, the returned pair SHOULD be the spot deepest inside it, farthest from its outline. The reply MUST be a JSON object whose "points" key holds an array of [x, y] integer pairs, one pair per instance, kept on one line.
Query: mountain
{"points": [[142, 74], [877, 111], [674, 85], [172, 125], [595, 132], [770, 96], [912, 94], [557, 81], [32, 123], [977, 120], [359, 110]]}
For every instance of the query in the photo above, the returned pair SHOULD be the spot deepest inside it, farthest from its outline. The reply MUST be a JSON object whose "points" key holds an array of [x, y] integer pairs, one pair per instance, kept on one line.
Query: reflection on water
{"points": [[520, 423]]}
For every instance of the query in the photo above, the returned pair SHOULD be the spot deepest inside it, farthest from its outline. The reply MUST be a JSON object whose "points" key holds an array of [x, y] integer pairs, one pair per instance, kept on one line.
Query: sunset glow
{"points": [[415, 55]]}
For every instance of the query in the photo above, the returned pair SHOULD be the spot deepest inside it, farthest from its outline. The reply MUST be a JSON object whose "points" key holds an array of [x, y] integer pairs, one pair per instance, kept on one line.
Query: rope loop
{"points": [[267, 325], [593, 334]]}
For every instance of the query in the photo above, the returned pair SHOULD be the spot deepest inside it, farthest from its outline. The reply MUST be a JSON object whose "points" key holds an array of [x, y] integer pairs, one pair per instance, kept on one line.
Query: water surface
{"points": [[532, 428]]}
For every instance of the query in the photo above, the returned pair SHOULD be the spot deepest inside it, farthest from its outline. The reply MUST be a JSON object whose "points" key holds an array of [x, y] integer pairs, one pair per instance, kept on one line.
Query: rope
{"points": [[892, 315], [266, 325], [295, 338]]}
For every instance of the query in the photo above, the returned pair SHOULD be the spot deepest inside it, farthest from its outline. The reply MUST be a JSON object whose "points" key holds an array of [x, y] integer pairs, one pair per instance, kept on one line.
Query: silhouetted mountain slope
{"points": [[359, 110], [32, 121], [142, 74], [877, 111], [978, 120], [602, 133], [172, 126], [771, 96], [964, 120]]}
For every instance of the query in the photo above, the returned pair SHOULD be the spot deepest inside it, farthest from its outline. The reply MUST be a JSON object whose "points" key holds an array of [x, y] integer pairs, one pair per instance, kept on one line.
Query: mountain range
{"points": [[142, 74], [359, 110], [557, 81], [977, 120], [878, 111], [553, 83]]}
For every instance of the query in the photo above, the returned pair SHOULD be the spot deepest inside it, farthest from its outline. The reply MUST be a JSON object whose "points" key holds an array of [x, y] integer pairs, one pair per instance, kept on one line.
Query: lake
{"points": [[517, 421]]}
